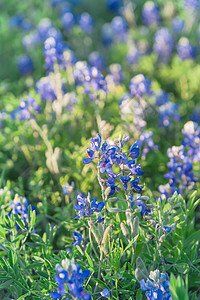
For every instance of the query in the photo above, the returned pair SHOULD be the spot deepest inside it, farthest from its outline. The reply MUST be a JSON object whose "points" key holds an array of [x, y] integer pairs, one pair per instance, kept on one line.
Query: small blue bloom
{"points": [[77, 238], [105, 293]]}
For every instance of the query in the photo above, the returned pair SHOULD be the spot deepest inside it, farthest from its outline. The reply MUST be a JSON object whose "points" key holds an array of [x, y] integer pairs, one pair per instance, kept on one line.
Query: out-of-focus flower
{"points": [[150, 13], [140, 86], [25, 65], [96, 60], [105, 293], [163, 44], [178, 25], [86, 22], [185, 50], [26, 109]]}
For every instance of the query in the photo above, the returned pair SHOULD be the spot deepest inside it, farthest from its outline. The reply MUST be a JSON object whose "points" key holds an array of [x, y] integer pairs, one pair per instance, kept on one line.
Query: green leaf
{"points": [[89, 260], [37, 239], [20, 222], [5, 284], [131, 243], [12, 258]]}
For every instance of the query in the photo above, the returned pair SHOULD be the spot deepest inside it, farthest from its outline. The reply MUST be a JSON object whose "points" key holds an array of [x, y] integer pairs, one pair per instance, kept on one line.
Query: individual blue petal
{"points": [[143, 285], [87, 160], [85, 273], [55, 295], [77, 207]]}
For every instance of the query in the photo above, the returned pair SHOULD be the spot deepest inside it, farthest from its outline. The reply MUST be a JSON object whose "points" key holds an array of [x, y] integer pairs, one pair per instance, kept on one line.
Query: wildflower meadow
{"points": [[100, 149]]}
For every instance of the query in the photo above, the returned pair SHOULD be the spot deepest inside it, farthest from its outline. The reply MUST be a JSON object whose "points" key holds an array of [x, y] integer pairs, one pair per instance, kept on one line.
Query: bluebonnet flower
{"points": [[107, 34], [185, 50], [114, 5], [140, 202], [26, 109], [150, 13], [70, 274], [19, 21], [157, 286], [68, 21], [180, 175], [167, 113], [140, 86], [46, 89], [30, 40], [162, 97], [178, 25], [86, 22], [77, 238], [53, 52], [43, 28], [96, 60], [192, 5], [191, 140], [119, 28], [67, 188], [112, 154], [105, 293], [25, 65], [146, 142], [116, 73], [195, 116], [163, 44], [91, 78], [20, 207], [133, 54], [16, 20], [129, 105], [86, 208]]}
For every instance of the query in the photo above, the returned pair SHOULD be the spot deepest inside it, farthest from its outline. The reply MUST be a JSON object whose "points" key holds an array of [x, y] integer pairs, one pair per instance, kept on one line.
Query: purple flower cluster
{"points": [[115, 31], [71, 275], [96, 60], [20, 207], [146, 142], [19, 21], [77, 239], [53, 52], [91, 78], [86, 22], [87, 208], [157, 286], [44, 30], [112, 155], [178, 25], [114, 5], [185, 50], [167, 113], [140, 86], [139, 202], [46, 89], [150, 13], [25, 65], [163, 44], [180, 175], [26, 109], [191, 140]]}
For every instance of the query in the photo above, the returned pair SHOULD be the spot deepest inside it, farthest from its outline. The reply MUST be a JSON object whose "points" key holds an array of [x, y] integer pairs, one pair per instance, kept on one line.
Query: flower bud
{"points": [[106, 240], [96, 234], [124, 230]]}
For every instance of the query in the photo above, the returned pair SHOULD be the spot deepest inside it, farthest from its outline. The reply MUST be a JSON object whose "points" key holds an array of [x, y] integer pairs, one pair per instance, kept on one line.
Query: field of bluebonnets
{"points": [[100, 149]]}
